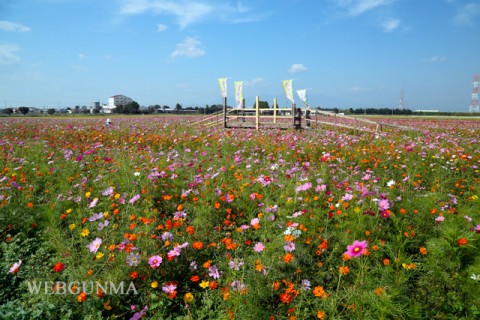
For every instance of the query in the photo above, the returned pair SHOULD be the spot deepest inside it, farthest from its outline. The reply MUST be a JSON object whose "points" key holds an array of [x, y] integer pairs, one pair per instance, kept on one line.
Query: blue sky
{"points": [[346, 53]]}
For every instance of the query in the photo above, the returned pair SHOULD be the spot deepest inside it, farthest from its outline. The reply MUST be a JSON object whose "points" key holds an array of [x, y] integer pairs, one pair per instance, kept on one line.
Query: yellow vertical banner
{"points": [[223, 86], [288, 87], [239, 94]]}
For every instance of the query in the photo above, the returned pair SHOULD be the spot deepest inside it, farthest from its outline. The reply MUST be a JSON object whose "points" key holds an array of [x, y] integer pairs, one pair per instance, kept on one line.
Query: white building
{"points": [[114, 101]]}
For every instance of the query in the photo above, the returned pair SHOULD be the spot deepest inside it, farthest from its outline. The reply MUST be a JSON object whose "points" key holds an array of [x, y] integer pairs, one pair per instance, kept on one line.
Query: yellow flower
{"points": [[106, 214], [69, 210], [117, 195], [154, 284], [85, 232], [188, 297], [107, 305], [204, 284], [357, 210], [99, 255], [72, 226], [88, 194]]}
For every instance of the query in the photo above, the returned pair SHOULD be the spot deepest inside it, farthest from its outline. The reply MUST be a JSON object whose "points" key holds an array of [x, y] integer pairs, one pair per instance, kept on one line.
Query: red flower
{"points": [[58, 267]]}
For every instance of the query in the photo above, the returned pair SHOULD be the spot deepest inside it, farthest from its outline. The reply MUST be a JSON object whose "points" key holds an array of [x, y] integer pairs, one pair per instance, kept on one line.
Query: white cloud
{"points": [[466, 14], [255, 82], [82, 56], [297, 67], [390, 25], [161, 27], [8, 54], [12, 26], [358, 7], [190, 47], [436, 59], [189, 12]]}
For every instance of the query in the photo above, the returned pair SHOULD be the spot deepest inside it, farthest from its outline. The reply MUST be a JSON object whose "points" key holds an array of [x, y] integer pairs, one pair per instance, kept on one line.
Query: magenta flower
{"points": [[357, 248], [93, 247], [477, 228], [259, 247], [155, 261]]}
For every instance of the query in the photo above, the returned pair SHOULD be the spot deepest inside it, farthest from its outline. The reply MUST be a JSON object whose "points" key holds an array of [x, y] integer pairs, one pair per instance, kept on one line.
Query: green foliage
{"points": [[203, 199]]}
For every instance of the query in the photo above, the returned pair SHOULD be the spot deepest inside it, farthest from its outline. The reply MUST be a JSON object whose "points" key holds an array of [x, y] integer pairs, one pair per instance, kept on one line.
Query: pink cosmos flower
{"points": [[439, 219], [383, 205], [357, 248], [477, 228], [15, 267], [155, 261], [254, 221], [93, 247], [259, 247]]}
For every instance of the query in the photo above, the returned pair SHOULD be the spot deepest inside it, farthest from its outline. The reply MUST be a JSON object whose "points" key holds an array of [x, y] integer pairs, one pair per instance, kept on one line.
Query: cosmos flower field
{"points": [[194, 223]]}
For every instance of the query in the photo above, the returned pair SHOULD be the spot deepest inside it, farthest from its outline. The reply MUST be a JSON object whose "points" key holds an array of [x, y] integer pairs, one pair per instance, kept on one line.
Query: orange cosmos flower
{"points": [[378, 291], [321, 314], [82, 297], [319, 292], [198, 245], [288, 258], [462, 242], [344, 270], [286, 298], [423, 250]]}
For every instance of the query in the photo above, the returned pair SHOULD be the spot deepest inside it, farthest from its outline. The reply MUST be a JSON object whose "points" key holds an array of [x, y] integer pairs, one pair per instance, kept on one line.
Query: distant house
{"points": [[114, 101]]}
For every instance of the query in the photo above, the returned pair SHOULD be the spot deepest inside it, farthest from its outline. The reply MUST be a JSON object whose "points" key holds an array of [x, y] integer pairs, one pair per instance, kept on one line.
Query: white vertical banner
{"points": [[288, 87], [239, 94], [223, 86], [302, 94]]}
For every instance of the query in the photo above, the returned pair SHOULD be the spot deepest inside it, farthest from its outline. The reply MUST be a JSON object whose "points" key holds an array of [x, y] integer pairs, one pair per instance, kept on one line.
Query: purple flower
{"points": [[235, 264], [306, 284], [357, 248], [133, 259], [108, 191], [259, 247], [289, 246], [213, 272], [134, 199], [93, 247], [155, 261], [93, 203], [477, 228], [139, 314], [102, 225], [169, 288], [96, 216]]}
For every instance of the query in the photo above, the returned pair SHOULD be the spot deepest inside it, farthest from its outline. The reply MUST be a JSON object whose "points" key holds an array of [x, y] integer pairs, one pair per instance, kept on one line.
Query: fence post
{"points": [[274, 110], [257, 113]]}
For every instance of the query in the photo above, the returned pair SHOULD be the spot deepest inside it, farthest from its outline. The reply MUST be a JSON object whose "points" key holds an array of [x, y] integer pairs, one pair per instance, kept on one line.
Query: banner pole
{"points": [[225, 112]]}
